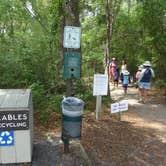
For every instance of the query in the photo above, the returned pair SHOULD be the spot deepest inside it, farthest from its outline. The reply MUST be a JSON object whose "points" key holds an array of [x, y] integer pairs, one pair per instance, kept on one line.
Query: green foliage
{"points": [[83, 90], [93, 37], [29, 45], [153, 21], [138, 34], [160, 84], [55, 102], [38, 96]]}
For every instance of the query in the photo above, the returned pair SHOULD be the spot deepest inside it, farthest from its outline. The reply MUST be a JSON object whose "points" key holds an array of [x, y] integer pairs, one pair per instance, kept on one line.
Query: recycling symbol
{"points": [[6, 138]]}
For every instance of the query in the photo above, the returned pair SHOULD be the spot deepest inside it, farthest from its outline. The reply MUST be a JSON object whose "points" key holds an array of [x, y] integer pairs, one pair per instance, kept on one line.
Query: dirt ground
{"points": [[139, 139]]}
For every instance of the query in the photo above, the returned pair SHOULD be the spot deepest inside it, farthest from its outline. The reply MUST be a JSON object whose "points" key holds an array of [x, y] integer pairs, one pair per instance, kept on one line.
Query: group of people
{"points": [[116, 74], [143, 81], [143, 77]]}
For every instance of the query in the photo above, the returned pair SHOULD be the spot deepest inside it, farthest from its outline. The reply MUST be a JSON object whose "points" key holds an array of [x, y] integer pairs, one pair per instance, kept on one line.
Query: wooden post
{"points": [[119, 115], [66, 148], [69, 84], [71, 18], [98, 107]]}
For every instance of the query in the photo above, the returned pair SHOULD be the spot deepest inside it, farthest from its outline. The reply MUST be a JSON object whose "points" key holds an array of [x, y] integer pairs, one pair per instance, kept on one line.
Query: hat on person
{"points": [[113, 58], [126, 72], [147, 63], [140, 67]]}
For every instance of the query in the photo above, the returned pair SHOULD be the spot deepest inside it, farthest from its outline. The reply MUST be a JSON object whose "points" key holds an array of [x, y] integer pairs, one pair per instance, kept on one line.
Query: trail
{"points": [[139, 142], [152, 118], [151, 115]]}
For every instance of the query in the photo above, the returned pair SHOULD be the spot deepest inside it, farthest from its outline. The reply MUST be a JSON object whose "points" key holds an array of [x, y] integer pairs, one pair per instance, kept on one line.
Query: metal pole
{"points": [[98, 107]]}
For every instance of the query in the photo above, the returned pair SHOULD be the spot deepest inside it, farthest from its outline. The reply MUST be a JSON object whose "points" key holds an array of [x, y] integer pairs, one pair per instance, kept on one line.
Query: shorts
{"points": [[144, 85], [116, 80], [125, 86]]}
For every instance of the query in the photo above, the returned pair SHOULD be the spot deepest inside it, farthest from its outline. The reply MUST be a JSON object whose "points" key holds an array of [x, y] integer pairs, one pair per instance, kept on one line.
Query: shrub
{"points": [[39, 99]]}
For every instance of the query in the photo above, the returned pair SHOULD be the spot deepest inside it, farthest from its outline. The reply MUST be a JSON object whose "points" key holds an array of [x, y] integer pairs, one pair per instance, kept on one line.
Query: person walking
{"points": [[116, 78], [125, 82], [112, 69], [122, 69], [137, 76], [144, 80], [123, 66]]}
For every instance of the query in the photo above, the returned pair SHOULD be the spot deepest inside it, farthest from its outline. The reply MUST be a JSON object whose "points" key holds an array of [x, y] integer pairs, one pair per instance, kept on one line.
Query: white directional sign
{"points": [[72, 37], [6, 138], [114, 107], [119, 107], [100, 86]]}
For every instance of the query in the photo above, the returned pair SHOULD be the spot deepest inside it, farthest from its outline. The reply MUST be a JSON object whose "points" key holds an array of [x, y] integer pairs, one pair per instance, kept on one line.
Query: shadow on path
{"points": [[150, 116]]}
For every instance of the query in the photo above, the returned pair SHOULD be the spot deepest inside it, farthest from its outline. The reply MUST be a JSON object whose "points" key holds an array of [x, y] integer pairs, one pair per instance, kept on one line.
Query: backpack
{"points": [[147, 75], [116, 75]]}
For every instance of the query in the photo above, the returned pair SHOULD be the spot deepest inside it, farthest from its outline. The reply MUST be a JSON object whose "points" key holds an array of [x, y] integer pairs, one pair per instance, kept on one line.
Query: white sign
{"points": [[119, 107], [100, 85], [123, 105], [72, 36], [114, 107]]}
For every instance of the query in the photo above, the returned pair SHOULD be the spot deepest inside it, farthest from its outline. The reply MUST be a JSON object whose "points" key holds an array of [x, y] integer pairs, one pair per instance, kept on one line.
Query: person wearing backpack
{"points": [[116, 78], [144, 80], [125, 82]]}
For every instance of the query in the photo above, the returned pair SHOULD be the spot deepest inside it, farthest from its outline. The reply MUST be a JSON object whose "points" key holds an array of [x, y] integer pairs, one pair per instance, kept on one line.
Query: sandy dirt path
{"points": [[152, 118], [151, 115]]}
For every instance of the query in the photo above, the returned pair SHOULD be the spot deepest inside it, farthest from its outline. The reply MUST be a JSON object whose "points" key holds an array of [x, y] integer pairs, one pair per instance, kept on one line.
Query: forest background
{"points": [[31, 33]]}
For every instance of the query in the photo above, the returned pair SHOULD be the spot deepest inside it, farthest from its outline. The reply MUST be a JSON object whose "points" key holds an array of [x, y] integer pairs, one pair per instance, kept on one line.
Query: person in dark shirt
{"points": [[116, 78], [144, 80]]}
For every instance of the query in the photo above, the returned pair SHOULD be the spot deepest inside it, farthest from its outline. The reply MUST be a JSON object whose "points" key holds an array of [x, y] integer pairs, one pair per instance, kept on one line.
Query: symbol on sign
{"points": [[72, 37], [6, 138]]}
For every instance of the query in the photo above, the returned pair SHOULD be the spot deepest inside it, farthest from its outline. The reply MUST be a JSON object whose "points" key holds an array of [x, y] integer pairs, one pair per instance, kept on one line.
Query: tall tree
{"points": [[111, 8], [153, 21], [71, 18]]}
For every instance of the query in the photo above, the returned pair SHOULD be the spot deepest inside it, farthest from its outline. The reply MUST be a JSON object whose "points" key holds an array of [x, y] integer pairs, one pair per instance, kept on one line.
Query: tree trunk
{"points": [[71, 18], [111, 7], [107, 49]]}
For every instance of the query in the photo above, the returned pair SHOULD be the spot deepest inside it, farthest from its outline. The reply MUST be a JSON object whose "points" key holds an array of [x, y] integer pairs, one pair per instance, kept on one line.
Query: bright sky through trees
{"points": [[29, 7]]}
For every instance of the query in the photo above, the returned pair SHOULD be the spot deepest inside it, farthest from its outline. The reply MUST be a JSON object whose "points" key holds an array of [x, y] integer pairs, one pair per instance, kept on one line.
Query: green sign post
{"points": [[72, 64]]}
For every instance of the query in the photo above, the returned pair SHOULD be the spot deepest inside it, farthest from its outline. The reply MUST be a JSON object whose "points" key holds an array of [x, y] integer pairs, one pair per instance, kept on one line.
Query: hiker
{"points": [[112, 69], [125, 82], [137, 76], [116, 78], [122, 69], [144, 80], [123, 66]]}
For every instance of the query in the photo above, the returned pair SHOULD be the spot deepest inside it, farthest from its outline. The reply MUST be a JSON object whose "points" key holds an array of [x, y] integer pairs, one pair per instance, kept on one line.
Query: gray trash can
{"points": [[72, 109]]}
